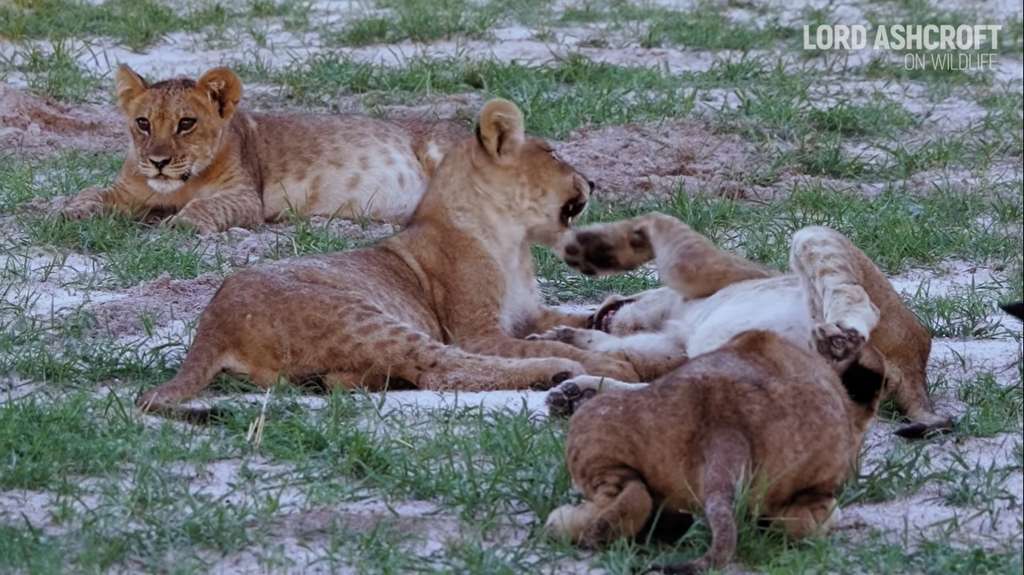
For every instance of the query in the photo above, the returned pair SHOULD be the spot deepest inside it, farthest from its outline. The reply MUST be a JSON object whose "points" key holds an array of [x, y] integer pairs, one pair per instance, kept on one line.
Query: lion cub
{"points": [[833, 299], [192, 150], [758, 413], [440, 305]]}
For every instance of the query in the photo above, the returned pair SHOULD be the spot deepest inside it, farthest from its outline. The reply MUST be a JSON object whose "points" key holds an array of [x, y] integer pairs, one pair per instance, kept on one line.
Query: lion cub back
{"points": [[344, 166], [787, 404]]}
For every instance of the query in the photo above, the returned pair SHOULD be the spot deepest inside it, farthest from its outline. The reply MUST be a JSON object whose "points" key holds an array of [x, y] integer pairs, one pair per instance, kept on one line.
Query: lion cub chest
{"points": [[520, 301]]}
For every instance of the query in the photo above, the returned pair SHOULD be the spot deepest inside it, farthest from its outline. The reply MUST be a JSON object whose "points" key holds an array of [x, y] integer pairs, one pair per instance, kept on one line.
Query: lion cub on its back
{"points": [[193, 151]]}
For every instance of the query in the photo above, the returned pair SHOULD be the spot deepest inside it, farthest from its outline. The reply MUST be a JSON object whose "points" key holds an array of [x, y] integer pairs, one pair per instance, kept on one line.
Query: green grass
{"points": [[47, 445], [133, 252], [431, 20], [901, 471], [964, 312], [992, 408], [975, 484], [702, 27], [136, 24], [55, 71], [879, 115], [920, 230], [66, 173], [420, 22], [131, 493], [555, 100], [708, 29], [489, 470], [69, 349]]}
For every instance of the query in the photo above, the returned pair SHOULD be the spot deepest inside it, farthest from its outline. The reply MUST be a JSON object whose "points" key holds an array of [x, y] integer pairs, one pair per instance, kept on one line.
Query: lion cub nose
{"points": [[159, 163]]}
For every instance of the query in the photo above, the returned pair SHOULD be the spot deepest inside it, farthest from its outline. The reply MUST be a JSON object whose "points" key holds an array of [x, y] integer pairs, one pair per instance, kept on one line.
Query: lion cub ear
{"points": [[223, 88], [129, 85], [500, 130]]}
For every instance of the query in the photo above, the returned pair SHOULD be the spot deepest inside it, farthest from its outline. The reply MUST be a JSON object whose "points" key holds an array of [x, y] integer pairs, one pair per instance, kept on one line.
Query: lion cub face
{"points": [[542, 192], [176, 125]]}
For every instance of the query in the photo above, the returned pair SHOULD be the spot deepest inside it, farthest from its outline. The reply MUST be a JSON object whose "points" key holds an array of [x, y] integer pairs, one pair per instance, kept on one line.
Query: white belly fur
{"points": [[775, 304]]}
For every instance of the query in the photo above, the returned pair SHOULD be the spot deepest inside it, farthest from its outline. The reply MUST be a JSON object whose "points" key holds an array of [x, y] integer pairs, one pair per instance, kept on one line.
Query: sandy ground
{"points": [[631, 162], [172, 307]]}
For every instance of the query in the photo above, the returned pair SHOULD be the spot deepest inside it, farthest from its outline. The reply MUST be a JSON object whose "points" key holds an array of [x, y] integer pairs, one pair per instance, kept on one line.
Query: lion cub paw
{"points": [[568, 396], [838, 343], [80, 209], [187, 220]]}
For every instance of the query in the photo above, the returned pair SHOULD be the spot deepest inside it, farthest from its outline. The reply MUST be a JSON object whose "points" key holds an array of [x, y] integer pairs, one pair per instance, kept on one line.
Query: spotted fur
{"points": [[193, 151], [442, 305]]}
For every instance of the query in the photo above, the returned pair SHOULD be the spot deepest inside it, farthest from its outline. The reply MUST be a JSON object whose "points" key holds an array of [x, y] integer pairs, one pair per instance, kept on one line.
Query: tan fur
{"points": [[439, 305], [729, 421], [833, 299], [233, 168]]}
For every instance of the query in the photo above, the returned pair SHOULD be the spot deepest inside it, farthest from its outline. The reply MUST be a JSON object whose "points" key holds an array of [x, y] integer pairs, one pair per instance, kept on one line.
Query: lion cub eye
{"points": [[143, 124], [186, 124]]}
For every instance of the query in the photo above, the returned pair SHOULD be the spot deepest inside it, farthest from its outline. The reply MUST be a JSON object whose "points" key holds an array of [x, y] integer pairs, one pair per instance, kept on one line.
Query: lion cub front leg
{"points": [[652, 354], [594, 363], [94, 201], [239, 207], [687, 261], [551, 317], [564, 399]]}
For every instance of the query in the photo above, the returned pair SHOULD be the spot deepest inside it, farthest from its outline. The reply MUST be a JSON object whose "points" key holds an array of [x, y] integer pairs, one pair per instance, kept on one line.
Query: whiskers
{"points": [[180, 171]]}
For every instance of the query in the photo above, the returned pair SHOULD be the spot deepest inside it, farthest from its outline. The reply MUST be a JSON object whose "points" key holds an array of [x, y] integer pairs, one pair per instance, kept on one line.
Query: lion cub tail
{"points": [[202, 363], [1016, 309]]}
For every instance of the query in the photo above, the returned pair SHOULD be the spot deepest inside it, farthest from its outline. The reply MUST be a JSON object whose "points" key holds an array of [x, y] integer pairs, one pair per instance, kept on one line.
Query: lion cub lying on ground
{"points": [[757, 412], [439, 305], [192, 150], [833, 300]]}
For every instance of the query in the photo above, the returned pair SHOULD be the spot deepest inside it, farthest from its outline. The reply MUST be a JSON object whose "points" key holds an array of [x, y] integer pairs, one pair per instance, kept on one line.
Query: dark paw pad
{"points": [[589, 253], [838, 343], [555, 380], [565, 399]]}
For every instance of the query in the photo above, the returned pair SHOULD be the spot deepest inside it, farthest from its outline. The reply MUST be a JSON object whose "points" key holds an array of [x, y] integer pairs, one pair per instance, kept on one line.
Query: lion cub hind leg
{"points": [[852, 301], [807, 515], [618, 506], [843, 313]]}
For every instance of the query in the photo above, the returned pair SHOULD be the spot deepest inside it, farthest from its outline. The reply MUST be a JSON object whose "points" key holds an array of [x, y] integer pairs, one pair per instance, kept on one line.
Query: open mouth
{"points": [[571, 209], [602, 320]]}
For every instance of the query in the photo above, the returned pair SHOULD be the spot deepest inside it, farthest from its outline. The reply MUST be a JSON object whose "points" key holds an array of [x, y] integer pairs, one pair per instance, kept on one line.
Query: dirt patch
{"points": [[164, 302], [32, 125], [933, 511], [242, 247], [636, 162], [309, 537]]}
